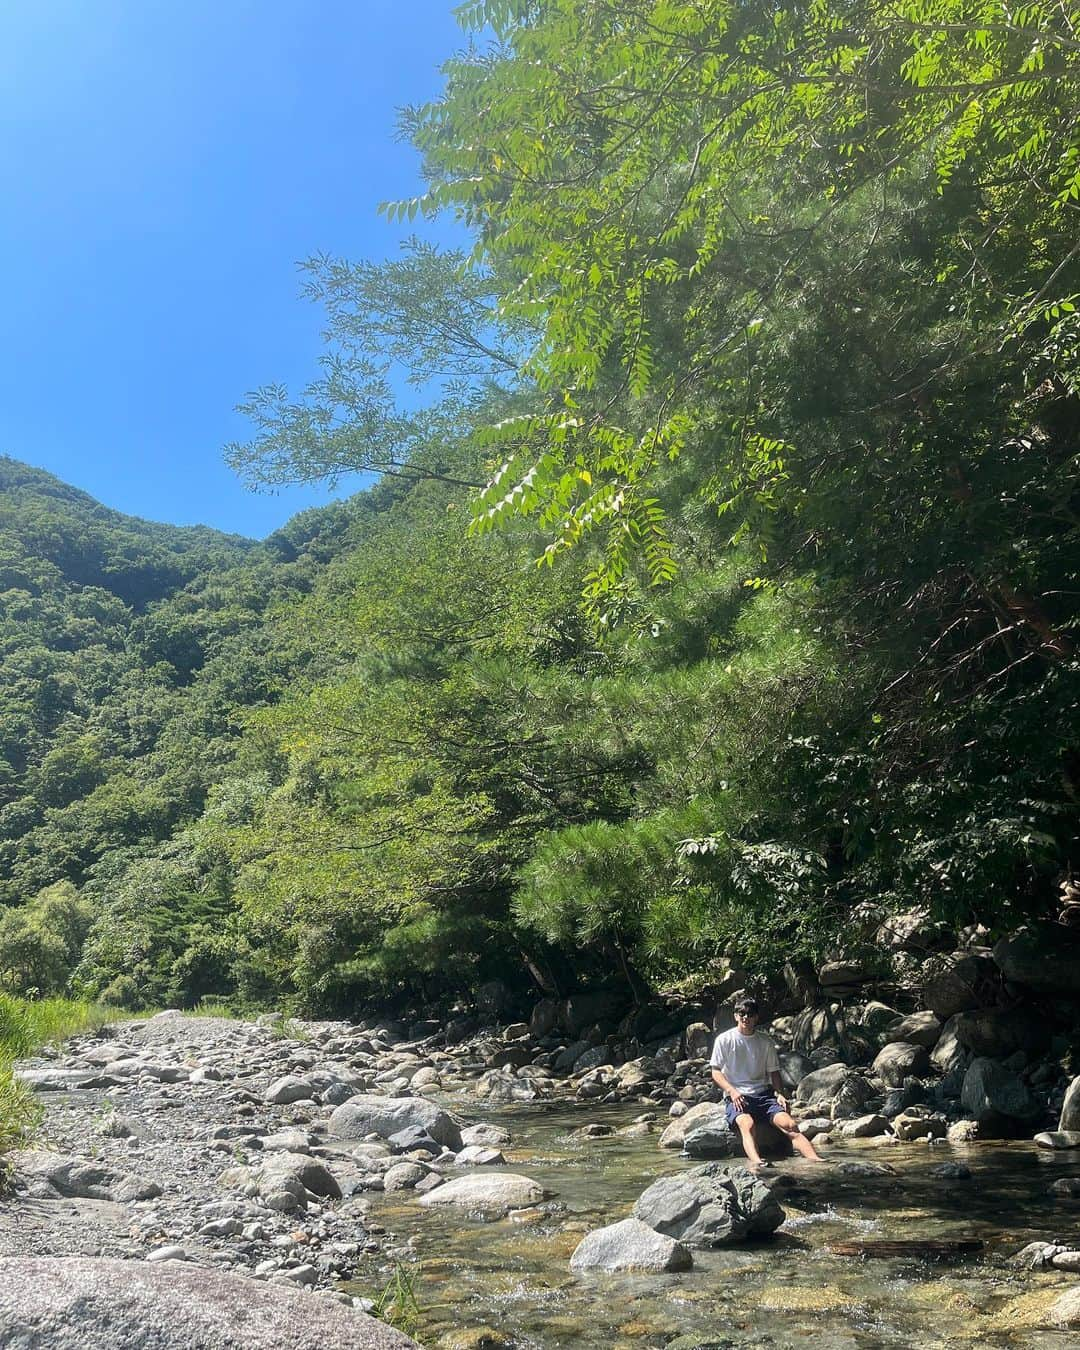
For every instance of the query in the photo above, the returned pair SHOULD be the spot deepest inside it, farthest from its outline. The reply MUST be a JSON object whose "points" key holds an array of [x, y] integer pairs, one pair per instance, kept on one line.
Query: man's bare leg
{"points": [[799, 1141], [745, 1123]]}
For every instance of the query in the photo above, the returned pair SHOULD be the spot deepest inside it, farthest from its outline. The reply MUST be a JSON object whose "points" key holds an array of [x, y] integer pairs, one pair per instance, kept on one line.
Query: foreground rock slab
{"points": [[86, 1304], [630, 1245], [710, 1206]]}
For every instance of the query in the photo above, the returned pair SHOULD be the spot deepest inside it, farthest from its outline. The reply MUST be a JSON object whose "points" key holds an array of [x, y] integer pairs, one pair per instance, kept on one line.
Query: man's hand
{"points": [[738, 1101], [781, 1101]]}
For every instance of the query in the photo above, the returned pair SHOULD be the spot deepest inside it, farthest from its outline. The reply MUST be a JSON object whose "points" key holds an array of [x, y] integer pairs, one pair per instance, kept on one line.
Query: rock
{"points": [[503, 1086], [712, 1137], [1069, 1260], [815, 1126], [1066, 1186], [403, 1176], [427, 1076], [921, 1028], [677, 1131], [909, 1127], [865, 1169], [999, 1032], [337, 1094], [899, 1060], [491, 1135], [491, 1192], [284, 1091], [479, 1155], [1042, 957], [1058, 1139], [912, 931], [80, 1178], [817, 1027], [965, 981], [996, 1098], [584, 1010], [1049, 1308], [963, 1132], [384, 1116], [864, 1127], [544, 1018], [630, 1245], [568, 1057], [173, 1253], [709, 1206], [846, 1093], [79, 1303], [877, 1018], [794, 1067], [699, 1040], [1035, 1255], [842, 972], [951, 1171], [948, 1054], [1070, 1108], [413, 1138]]}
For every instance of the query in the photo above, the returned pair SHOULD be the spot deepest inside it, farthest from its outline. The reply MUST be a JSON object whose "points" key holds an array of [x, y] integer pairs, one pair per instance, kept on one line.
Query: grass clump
{"points": [[25, 1025]]}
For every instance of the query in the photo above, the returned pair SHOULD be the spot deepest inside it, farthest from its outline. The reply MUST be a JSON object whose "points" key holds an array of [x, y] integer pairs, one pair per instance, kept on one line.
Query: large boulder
{"points": [[1042, 957], [912, 931], [495, 1192], [80, 1303], [384, 1116], [919, 1028], [581, 1011], [948, 1054], [1070, 1107], [899, 1060], [630, 1245], [712, 1137], [844, 1092], [999, 1032], [997, 1098], [966, 980], [57, 1174], [817, 1027], [710, 1206], [675, 1134]]}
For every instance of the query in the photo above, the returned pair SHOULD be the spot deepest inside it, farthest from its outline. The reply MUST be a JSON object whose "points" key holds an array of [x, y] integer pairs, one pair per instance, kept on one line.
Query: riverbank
{"points": [[309, 1161]]}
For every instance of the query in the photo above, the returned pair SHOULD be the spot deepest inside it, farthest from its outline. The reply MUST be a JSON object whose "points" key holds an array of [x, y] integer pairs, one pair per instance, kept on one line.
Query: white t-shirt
{"points": [[745, 1061]]}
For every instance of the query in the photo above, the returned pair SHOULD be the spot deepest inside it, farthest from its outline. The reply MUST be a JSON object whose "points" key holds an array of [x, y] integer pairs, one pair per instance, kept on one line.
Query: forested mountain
{"points": [[768, 349]]}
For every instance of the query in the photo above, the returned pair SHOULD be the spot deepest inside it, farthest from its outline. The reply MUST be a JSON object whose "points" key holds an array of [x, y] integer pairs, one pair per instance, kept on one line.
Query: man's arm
{"points": [[733, 1093]]}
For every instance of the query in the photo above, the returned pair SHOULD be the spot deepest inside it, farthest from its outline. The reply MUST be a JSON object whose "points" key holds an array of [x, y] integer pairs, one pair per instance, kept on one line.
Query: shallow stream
{"points": [[511, 1277]]}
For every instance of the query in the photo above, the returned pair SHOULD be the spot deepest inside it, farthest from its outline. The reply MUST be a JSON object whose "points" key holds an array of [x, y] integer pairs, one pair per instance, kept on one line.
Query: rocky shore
{"points": [[255, 1149]]}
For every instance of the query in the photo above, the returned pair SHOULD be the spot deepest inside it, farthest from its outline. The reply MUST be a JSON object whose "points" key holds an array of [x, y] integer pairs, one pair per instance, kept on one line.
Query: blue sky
{"points": [[163, 166]]}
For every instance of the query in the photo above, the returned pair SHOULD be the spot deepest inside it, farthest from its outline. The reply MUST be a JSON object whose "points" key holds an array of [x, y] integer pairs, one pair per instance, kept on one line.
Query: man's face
{"points": [[746, 1022]]}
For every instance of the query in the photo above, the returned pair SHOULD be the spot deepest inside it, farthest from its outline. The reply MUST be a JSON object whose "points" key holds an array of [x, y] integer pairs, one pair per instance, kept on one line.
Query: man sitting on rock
{"points": [[745, 1065]]}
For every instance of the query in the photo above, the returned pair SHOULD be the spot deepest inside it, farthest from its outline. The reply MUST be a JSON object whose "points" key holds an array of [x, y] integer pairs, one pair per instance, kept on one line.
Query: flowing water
{"points": [[507, 1282]]}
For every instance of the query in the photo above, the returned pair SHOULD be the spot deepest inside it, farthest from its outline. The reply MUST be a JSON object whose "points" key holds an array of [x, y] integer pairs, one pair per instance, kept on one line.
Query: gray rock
{"points": [[630, 1245], [712, 1137], [679, 1128], [77, 1303], [699, 1040], [1046, 958], [965, 981], [479, 1155], [899, 1060], [709, 1206], [403, 1176], [948, 1054], [1058, 1139], [584, 1010], [842, 972], [80, 1178], [998, 1033], [493, 1192], [995, 1097], [921, 1028], [865, 1169], [864, 1127], [909, 1127], [490, 1135], [1070, 1108], [951, 1171], [384, 1116], [170, 1253], [284, 1091]]}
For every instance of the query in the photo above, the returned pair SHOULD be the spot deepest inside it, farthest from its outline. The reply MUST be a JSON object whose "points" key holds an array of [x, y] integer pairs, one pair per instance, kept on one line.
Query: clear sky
{"points": [[163, 166]]}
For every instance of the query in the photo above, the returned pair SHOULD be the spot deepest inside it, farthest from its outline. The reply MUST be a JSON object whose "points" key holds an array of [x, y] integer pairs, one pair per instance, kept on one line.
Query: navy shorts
{"points": [[760, 1105]]}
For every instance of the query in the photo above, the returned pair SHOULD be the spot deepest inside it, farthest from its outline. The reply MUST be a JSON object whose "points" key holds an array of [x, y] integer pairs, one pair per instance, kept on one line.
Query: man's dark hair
{"points": [[746, 1005]]}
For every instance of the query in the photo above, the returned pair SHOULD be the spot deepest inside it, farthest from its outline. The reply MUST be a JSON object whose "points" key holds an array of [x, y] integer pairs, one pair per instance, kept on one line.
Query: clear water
{"points": [[508, 1282]]}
